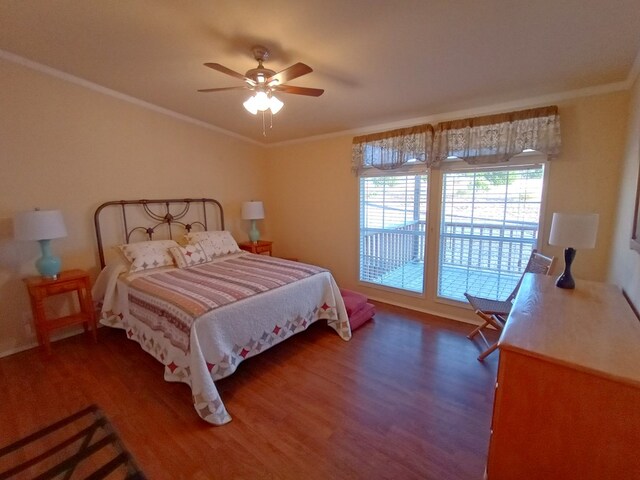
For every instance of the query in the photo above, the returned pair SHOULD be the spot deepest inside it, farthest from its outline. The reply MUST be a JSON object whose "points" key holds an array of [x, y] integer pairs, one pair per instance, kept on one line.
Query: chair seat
{"points": [[488, 306], [494, 313]]}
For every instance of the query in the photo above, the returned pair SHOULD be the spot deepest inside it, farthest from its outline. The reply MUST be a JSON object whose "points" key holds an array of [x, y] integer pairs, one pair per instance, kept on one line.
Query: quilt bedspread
{"points": [[202, 322]]}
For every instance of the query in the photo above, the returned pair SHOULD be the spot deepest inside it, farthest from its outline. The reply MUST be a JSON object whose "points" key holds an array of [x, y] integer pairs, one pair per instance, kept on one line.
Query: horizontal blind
{"points": [[393, 212], [489, 225]]}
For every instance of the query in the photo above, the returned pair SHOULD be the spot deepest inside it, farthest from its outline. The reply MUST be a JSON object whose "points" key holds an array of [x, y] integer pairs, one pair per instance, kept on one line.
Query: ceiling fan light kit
{"points": [[265, 82], [261, 102]]}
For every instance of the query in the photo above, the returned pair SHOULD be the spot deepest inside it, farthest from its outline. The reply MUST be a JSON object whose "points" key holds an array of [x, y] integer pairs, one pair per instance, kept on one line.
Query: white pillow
{"points": [[148, 255], [214, 243], [189, 255]]}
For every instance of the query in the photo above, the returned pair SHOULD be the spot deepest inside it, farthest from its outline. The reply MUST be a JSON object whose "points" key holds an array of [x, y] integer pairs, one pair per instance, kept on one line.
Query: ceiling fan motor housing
{"points": [[256, 73], [260, 74]]}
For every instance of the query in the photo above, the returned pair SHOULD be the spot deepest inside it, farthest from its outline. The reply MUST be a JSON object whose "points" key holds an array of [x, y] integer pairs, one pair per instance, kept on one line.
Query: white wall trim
{"points": [[455, 318], [54, 338], [19, 349], [484, 110], [472, 112], [634, 73], [25, 62]]}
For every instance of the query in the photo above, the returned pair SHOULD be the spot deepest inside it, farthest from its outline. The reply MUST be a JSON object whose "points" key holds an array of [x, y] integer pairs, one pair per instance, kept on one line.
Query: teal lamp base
{"points": [[254, 234], [48, 265]]}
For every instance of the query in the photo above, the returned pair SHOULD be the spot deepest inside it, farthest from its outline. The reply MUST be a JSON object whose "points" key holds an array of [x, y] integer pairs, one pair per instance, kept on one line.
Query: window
{"points": [[489, 225], [393, 212]]}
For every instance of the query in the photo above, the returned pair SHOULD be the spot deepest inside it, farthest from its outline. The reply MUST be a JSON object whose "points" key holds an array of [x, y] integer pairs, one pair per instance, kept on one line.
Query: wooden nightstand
{"points": [[262, 247], [68, 281]]}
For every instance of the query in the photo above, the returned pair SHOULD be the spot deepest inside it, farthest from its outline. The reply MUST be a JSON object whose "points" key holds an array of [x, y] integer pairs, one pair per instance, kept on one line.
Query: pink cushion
{"points": [[362, 315], [352, 300], [358, 310]]}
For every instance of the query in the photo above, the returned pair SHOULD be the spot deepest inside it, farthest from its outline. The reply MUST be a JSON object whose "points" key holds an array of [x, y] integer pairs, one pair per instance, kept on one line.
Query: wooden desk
{"points": [[262, 247], [567, 400], [69, 281]]}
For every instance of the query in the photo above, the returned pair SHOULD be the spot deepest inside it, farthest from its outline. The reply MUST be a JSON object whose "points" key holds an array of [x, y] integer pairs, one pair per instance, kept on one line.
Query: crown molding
{"points": [[67, 77], [472, 112], [634, 73], [626, 84]]}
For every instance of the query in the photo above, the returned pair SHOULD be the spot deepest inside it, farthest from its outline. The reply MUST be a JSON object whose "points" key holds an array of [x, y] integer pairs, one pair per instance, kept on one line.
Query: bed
{"points": [[181, 288]]}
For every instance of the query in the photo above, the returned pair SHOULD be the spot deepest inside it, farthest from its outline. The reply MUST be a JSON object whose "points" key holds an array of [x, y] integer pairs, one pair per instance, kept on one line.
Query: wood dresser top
{"points": [[591, 328]]}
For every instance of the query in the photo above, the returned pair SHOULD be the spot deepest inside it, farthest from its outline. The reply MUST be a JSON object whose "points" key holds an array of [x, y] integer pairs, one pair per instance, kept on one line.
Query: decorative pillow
{"points": [[214, 243], [148, 255], [189, 255]]}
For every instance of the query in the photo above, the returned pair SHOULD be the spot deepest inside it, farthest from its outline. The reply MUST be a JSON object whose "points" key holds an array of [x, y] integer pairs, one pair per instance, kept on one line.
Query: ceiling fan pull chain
{"points": [[264, 133]]}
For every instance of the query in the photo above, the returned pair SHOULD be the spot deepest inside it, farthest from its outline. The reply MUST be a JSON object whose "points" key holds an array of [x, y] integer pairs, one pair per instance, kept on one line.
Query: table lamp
{"points": [[43, 226], [573, 231], [253, 211]]}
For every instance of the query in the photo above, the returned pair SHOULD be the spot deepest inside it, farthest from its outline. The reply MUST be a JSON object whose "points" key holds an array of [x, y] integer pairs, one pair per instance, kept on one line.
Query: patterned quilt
{"points": [[170, 301], [202, 322]]}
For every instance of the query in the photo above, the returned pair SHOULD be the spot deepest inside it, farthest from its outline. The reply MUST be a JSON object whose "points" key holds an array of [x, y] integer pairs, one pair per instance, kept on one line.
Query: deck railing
{"points": [[486, 246], [504, 248], [383, 250]]}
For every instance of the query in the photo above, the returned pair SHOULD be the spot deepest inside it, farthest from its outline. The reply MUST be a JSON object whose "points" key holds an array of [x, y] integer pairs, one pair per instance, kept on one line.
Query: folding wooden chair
{"points": [[495, 312]]}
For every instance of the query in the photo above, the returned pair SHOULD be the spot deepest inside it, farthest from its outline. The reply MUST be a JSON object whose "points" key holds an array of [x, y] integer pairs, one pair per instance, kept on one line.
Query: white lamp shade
{"points": [[39, 225], [262, 102], [250, 105], [275, 104], [252, 210], [574, 230]]}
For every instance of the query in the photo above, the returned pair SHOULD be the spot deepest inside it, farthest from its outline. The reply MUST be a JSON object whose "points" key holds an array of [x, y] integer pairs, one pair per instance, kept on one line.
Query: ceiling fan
{"points": [[265, 82]]}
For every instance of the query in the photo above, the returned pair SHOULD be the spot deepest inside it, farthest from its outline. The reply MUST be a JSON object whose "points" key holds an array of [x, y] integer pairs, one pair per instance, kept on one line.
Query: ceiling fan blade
{"points": [[312, 92], [294, 71], [224, 88], [228, 71]]}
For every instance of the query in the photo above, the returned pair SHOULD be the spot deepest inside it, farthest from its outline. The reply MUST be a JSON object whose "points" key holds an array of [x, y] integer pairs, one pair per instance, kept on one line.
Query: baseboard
{"points": [[426, 310], [34, 343]]}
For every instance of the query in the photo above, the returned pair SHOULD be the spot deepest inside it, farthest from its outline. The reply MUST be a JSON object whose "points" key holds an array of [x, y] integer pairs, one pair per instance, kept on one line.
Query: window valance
{"points": [[497, 138], [405, 149]]}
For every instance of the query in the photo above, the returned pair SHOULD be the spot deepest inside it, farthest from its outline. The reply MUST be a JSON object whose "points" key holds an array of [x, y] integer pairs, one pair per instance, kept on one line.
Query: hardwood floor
{"points": [[404, 399]]}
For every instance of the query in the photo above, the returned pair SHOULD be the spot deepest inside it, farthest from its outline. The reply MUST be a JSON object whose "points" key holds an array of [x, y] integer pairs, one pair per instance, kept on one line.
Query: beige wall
{"points": [[312, 198], [67, 147], [64, 146], [625, 263]]}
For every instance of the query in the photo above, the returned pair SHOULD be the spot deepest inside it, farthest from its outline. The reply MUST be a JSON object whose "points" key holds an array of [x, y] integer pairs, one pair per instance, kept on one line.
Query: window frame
{"points": [[523, 160], [415, 169]]}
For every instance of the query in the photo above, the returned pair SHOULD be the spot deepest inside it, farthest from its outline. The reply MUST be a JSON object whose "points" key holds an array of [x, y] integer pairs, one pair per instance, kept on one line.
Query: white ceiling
{"points": [[379, 61]]}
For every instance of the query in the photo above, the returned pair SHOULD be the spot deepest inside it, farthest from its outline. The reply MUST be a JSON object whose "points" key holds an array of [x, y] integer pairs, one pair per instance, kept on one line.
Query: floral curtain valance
{"points": [[497, 138], [405, 149]]}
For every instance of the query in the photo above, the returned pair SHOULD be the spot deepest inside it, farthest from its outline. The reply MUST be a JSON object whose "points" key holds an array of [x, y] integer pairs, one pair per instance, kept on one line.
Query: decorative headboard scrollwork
{"points": [[174, 213]]}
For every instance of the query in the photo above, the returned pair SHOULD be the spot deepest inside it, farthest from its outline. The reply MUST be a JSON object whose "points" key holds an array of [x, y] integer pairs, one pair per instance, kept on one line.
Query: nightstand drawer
{"points": [[63, 287], [263, 249]]}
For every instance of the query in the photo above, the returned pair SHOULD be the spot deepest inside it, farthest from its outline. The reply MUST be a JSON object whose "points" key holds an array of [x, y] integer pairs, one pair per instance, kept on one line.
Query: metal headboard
{"points": [[166, 217]]}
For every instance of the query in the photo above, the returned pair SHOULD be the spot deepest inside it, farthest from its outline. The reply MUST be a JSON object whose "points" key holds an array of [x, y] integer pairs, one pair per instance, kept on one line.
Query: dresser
{"points": [[567, 399]]}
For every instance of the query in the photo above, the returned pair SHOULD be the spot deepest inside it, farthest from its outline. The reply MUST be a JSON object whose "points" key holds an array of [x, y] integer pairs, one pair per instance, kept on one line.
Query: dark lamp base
{"points": [[566, 279]]}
